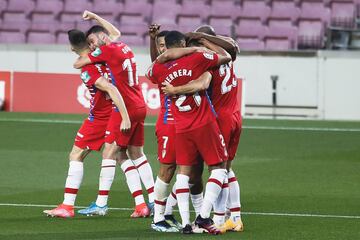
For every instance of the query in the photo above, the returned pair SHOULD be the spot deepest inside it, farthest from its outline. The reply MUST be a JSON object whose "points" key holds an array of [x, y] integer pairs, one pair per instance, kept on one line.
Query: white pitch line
{"points": [[153, 124], [244, 213]]}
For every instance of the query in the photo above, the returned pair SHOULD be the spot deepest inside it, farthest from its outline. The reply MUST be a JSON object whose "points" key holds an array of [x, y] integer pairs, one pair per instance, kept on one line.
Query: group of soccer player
{"points": [[199, 122]]}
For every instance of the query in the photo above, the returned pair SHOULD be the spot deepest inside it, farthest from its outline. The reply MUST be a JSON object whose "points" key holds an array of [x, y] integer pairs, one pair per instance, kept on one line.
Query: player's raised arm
{"points": [[223, 56], [153, 32], [175, 53], [114, 33], [104, 85], [199, 84]]}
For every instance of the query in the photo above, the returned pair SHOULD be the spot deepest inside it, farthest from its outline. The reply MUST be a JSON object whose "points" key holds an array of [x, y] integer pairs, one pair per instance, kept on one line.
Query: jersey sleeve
{"points": [[100, 54], [89, 74], [208, 60]]}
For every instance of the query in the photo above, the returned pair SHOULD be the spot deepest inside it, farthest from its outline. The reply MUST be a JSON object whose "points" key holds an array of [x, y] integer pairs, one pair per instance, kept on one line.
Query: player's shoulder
{"points": [[203, 55]]}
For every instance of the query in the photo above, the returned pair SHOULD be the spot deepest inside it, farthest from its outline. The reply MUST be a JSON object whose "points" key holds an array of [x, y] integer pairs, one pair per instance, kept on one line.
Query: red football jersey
{"points": [[224, 89], [100, 102], [121, 61], [190, 111]]}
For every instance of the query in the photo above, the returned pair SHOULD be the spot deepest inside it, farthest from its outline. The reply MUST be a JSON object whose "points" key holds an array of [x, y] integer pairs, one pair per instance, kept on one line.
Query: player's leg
{"points": [[196, 190], [72, 184]]}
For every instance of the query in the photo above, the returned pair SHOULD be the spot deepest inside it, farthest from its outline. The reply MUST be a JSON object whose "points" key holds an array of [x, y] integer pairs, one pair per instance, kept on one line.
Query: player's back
{"points": [[100, 102], [190, 111], [121, 61], [223, 90]]}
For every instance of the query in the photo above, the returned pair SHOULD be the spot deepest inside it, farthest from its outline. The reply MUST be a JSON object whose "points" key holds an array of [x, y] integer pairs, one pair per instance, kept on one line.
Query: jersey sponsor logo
{"points": [[96, 52], [209, 56], [85, 77]]}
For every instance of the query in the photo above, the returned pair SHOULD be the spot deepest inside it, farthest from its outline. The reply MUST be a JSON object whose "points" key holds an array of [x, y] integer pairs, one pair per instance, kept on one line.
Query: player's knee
{"points": [[135, 152], [76, 154], [167, 172]]}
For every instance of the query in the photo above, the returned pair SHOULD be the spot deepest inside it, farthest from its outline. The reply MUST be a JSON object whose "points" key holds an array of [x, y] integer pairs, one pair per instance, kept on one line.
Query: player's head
{"points": [[78, 41], [206, 29], [175, 39], [97, 36], [193, 43], [160, 41]]}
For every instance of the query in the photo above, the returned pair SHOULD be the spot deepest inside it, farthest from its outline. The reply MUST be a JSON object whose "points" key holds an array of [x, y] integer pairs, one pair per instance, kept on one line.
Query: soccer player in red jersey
{"points": [[197, 133], [223, 93], [91, 135], [121, 61]]}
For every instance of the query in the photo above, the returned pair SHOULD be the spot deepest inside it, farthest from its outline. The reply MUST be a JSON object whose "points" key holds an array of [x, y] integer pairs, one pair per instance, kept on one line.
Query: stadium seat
{"points": [[315, 9], [112, 7], [68, 21], [188, 23], [343, 14], [253, 44], [250, 28], [225, 8], [162, 13], [12, 37], [255, 8], [285, 9], [15, 21], [3, 6], [282, 28], [132, 40], [77, 6], [222, 25], [25, 6], [53, 6], [195, 8], [40, 37], [139, 7], [310, 34], [62, 38], [42, 21], [133, 24], [277, 44], [83, 25]]}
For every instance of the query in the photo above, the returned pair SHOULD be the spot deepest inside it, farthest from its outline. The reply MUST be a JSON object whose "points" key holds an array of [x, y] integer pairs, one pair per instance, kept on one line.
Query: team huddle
{"points": [[199, 122]]}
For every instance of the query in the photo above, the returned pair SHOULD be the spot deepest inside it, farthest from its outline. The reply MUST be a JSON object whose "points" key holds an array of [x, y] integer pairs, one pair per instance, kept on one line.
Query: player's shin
{"points": [[73, 181], [171, 201], [133, 181], [106, 179], [234, 196], [160, 190], [146, 175], [182, 194], [220, 204]]}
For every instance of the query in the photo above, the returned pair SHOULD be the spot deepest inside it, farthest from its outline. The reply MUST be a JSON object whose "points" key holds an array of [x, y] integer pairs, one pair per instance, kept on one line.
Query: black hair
{"points": [[162, 33], [77, 39], [174, 39], [206, 29], [193, 43], [96, 29]]}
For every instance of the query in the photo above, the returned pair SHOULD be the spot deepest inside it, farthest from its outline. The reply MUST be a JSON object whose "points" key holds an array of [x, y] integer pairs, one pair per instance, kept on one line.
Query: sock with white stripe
{"points": [[234, 197], [73, 181], [107, 175], [220, 204], [133, 181], [197, 201], [160, 190], [171, 201], [213, 189], [146, 175], [182, 195]]}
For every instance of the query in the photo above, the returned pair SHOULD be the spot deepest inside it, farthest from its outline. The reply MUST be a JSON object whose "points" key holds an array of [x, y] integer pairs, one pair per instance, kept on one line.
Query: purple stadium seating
{"points": [[40, 38], [195, 8], [224, 9], [139, 7], [280, 28], [343, 14], [255, 8], [12, 37], [83, 25], [77, 6], [15, 21], [108, 6], [222, 26], [285, 9], [277, 44], [68, 20], [25, 6], [165, 12], [62, 38], [134, 24], [310, 34], [188, 23], [315, 9], [250, 28], [132, 40], [42, 21], [3, 5], [53, 6], [250, 44]]}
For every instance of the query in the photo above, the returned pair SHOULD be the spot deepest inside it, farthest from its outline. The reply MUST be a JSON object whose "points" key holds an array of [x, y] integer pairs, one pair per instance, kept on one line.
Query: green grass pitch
{"points": [[284, 168]]}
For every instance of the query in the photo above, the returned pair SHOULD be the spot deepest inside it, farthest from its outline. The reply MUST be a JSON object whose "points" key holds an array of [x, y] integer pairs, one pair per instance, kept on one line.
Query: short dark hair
{"points": [[162, 33], [174, 39], [206, 29], [77, 39], [193, 43], [96, 29]]}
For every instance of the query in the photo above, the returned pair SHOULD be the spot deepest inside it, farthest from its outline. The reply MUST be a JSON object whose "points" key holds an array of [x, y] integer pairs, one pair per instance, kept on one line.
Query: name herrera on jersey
{"points": [[178, 73]]}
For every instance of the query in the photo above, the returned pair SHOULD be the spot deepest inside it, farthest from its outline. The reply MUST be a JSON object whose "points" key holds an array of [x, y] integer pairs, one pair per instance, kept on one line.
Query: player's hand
{"points": [[168, 89], [154, 30], [87, 15], [125, 125]]}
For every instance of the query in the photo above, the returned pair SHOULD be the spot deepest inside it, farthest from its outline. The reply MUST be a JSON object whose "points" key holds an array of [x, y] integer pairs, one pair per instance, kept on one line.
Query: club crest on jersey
{"points": [[96, 52], [85, 77], [209, 56]]}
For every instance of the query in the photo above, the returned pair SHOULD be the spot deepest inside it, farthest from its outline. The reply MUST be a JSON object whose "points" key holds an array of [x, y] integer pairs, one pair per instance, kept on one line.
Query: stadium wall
{"points": [[316, 85]]}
